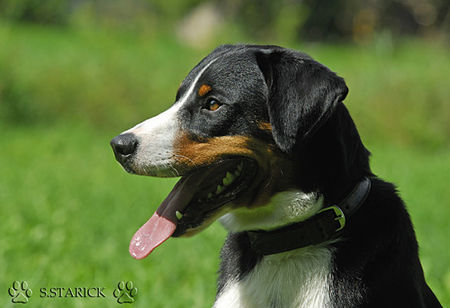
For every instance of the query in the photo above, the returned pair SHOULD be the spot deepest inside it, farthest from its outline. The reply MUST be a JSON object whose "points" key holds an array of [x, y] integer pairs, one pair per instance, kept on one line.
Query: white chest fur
{"points": [[300, 278]]}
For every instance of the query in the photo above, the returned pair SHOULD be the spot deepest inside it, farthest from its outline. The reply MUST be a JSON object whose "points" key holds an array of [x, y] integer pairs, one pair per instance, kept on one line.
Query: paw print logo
{"points": [[20, 292], [125, 292]]}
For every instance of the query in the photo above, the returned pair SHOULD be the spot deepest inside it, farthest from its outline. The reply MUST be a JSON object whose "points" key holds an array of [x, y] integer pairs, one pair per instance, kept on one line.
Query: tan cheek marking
{"points": [[204, 89], [190, 153]]}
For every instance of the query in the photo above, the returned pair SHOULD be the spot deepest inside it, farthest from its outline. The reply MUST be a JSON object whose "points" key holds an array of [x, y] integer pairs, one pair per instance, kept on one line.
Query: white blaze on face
{"points": [[156, 137]]}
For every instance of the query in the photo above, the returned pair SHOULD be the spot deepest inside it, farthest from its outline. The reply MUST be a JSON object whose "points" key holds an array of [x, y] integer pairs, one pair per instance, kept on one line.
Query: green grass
{"points": [[68, 210]]}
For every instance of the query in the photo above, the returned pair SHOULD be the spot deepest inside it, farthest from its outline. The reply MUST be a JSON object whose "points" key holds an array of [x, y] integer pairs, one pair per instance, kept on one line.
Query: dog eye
{"points": [[212, 104]]}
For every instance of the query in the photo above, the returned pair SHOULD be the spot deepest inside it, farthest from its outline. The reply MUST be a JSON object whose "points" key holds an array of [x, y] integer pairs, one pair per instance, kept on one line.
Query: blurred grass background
{"points": [[73, 74]]}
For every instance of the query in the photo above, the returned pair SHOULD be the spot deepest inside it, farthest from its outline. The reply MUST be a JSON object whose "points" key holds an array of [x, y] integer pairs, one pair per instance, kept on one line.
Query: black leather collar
{"points": [[327, 224]]}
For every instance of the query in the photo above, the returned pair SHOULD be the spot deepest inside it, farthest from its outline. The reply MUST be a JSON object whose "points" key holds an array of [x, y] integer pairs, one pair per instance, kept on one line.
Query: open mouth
{"points": [[195, 197]]}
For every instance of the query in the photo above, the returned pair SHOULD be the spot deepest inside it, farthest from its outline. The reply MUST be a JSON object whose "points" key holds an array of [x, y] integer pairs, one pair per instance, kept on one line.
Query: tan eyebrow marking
{"points": [[204, 89]]}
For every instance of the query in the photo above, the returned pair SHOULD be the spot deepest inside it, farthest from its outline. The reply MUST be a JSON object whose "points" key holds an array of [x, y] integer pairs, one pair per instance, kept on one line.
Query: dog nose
{"points": [[124, 145]]}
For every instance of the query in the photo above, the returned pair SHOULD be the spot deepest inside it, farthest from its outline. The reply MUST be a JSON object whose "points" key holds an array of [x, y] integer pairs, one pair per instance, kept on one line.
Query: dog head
{"points": [[240, 134]]}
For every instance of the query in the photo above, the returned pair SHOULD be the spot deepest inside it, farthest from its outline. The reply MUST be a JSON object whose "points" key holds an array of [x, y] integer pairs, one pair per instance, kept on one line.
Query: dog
{"points": [[263, 142]]}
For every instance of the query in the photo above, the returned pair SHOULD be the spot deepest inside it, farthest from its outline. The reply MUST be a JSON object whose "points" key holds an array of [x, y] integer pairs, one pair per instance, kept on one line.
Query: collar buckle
{"points": [[340, 217]]}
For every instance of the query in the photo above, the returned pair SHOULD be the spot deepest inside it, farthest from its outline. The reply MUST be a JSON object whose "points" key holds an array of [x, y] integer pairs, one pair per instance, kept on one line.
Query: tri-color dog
{"points": [[262, 140]]}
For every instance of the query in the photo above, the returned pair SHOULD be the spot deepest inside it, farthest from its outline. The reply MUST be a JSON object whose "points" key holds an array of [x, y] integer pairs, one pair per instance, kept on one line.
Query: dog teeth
{"points": [[219, 189], [240, 166], [179, 215], [228, 179]]}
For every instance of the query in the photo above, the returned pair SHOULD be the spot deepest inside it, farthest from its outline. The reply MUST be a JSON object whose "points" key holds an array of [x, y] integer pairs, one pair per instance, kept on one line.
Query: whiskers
{"points": [[161, 169], [183, 156]]}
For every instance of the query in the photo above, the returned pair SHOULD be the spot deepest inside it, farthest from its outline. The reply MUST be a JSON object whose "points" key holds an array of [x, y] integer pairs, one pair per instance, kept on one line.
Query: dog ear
{"points": [[302, 94]]}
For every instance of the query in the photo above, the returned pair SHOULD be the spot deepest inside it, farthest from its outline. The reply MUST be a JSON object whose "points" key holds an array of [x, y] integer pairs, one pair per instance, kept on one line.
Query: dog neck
{"points": [[325, 225], [284, 208]]}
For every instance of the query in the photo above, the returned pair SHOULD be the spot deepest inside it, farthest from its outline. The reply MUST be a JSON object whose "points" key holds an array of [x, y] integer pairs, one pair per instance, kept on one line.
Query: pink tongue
{"points": [[152, 234], [163, 223]]}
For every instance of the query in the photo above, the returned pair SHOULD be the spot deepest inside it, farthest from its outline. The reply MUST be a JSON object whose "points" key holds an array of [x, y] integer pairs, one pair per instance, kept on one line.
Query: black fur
{"points": [[376, 264], [303, 94], [244, 103]]}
